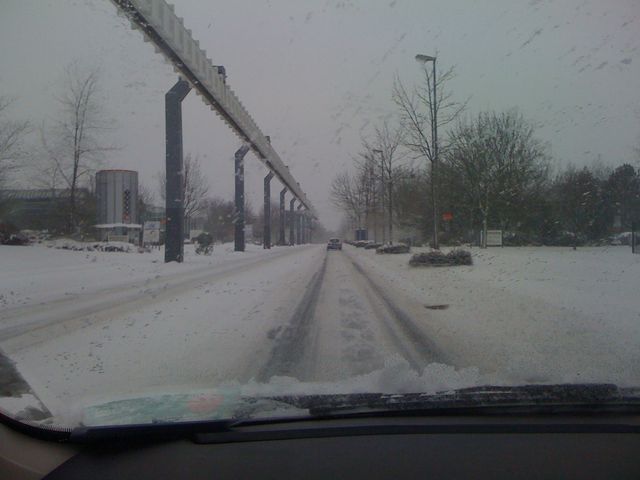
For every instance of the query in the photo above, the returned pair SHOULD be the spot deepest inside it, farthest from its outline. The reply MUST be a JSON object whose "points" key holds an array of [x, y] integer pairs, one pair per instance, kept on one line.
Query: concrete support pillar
{"points": [[292, 221], [307, 222], [174, 192], [305, 219], [299, 225], [239, 240], [266, 228], [281, 239]]}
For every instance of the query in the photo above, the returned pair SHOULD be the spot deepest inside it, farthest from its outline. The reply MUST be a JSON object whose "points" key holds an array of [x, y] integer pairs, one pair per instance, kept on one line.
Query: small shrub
{"points": [[16, 239], [460, 257], [436, 258], [515, 240], [394, 248]]}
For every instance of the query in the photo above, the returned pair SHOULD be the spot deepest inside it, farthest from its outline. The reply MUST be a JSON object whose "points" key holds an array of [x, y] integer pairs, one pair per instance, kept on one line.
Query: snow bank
{"points": [[397, 376], [189, 403]]}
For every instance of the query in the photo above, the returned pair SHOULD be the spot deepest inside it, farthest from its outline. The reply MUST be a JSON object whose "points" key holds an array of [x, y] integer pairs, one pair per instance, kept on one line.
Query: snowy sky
{"points": [[317, 75]]}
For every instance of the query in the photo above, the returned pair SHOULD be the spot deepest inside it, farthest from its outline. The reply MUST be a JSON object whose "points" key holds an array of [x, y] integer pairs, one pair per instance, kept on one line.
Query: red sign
{"points": [[447, 216]]}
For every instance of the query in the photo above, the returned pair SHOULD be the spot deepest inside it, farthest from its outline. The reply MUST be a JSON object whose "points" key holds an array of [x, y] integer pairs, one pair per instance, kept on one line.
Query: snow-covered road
{"points": [[109, 325], [304, 313]]}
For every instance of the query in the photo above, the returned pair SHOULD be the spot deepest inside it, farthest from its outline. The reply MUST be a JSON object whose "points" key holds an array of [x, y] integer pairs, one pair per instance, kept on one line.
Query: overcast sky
{"points": [[317, 75]]}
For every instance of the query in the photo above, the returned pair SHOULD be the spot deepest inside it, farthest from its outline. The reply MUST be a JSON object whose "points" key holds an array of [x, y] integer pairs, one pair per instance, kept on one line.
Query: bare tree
{"points": [[368, 179], [423, 110], [76, 149], [346, 196], [194, 184], [145, 200], [219, 223], [387, 142], [365, 194], [12, 134], [498, 161]]}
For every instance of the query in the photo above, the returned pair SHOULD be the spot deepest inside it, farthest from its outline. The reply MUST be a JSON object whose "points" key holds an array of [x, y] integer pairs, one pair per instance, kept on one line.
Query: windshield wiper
{"points": [[560, 398], [487, 400], [149, 431]]}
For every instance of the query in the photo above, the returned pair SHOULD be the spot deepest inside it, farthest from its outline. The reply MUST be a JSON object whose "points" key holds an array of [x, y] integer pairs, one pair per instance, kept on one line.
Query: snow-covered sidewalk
{"points": [[41, 273], [528, 314]]}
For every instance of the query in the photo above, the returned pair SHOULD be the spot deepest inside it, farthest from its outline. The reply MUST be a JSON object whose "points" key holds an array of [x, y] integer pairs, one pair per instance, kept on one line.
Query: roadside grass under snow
{"points": [[530, 314], [42, 272]]}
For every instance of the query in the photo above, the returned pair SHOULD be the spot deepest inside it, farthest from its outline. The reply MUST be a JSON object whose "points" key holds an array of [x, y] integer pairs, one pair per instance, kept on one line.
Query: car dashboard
{"points": [[512, 446]]}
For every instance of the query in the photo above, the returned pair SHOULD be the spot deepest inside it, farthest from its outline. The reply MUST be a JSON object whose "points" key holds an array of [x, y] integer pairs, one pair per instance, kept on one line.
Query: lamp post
{"points": [[434, 138], [389, 193]]}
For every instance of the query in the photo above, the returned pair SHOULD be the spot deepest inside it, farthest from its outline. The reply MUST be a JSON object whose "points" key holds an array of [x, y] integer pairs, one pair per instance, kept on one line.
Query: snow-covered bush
{"points": [[393, 248], [69, 244], [436, 258], [460, 257]]}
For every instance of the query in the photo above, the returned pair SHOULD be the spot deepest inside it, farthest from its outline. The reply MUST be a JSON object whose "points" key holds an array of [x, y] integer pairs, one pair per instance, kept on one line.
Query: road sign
{"points": [[447, 216], [151, 232], [494, 238]]}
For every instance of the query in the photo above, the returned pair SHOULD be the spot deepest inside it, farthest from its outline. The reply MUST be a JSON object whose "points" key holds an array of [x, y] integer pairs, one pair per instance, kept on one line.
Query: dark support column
{"points": [[306, 227], [266, 229], [299, 225], [281, 239], [239, 200], [174, 194], [292, 220]]}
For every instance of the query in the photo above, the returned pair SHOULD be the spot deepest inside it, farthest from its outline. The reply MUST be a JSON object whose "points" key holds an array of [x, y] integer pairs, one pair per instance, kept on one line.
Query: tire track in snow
{"points": [[295, 352], [412, 343], [288, 355]]}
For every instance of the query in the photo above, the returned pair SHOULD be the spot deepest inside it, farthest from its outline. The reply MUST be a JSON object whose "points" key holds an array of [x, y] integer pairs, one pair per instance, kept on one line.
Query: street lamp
{"points": [[434, 136], [390, 192]]}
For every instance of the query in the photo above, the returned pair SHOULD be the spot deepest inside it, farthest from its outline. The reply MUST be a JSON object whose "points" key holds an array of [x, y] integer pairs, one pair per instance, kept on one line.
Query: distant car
{"points": [[334, 244]]}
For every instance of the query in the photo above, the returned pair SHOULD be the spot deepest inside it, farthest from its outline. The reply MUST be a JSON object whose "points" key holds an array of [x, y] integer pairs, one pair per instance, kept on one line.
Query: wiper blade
{"points": [[562, 397], [149, 431], [486, 400]]}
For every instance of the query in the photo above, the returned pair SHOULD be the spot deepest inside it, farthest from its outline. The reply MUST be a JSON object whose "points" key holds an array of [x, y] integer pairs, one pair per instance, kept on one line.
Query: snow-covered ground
{"points": [[37, 274], [526, 314], [86, 327], [120, 322]]}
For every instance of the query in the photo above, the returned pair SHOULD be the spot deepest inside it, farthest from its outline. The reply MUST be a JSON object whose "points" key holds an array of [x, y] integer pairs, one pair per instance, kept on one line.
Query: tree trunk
{"points": [[72, 198], [484, 231], [390, 211]]}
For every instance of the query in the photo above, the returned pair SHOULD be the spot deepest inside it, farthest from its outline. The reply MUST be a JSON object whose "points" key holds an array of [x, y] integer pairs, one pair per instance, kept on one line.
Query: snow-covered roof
{"points": [[119, 225]]}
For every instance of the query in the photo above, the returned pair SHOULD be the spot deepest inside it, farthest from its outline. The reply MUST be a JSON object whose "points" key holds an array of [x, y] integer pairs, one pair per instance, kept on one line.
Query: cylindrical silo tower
{"points": [[117, 196]]}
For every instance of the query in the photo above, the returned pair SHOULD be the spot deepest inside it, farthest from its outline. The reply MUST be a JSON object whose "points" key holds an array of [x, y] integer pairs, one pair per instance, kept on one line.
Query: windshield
{"points": [[206, 210]]}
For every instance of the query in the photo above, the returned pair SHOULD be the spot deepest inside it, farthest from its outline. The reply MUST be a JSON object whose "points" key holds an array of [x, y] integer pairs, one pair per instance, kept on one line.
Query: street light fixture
{"points": [[434, 136]]}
